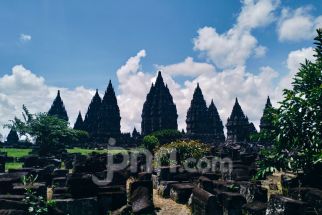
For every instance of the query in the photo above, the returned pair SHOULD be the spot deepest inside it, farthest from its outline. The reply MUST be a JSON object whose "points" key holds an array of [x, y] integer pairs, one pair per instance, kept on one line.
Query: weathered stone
{"points": [[59, 182], [144, 176], [12, 197], [141, 197], [181, 192], [238, 126], [164, 188], [60, 173], [111, 198], [82, 206], [10, 204], [254, 208], [204, 203], [8, 179], [38, 188], [81, 186], [206, 184], [159, 111], [12, 212], [253, 192], [280, 205], [312, 196], [232, 203]]}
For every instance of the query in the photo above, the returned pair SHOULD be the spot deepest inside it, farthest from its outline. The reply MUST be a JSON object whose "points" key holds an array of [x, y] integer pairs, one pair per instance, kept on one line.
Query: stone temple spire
{"points": [[91, 117], [238, 126], [79, 124], [58, 109], [265, 122], [197, 115], [159, 111], [215, 124], [109, 119]]}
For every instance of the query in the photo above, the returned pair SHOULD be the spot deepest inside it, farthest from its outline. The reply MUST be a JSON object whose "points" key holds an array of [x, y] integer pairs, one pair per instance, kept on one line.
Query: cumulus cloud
{"points": [[235, 46], [187, 68], [223, 87], [25, 37], [299, 24], [24, 87], [293, 63]]}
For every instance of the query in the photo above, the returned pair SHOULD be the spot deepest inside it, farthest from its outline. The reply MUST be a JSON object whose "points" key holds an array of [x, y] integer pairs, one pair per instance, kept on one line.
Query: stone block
{"points": [[180, 192], [204, 203], [254, 208], [141, 197], [82, 206], [281, 205]]}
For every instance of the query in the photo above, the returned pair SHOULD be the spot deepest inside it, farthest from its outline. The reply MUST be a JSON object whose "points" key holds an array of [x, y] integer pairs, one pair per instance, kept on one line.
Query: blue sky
{"points": [[78, 46], [85, 42]]}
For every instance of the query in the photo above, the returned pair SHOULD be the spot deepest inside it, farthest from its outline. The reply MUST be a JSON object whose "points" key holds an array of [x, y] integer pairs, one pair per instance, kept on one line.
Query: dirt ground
{"points": [[168, 206]]}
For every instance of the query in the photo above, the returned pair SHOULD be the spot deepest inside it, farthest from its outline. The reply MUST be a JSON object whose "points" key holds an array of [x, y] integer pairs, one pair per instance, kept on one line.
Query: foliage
{"points": [[49, 132], [150, 142], [183, 149], [297, 133], [167, 135], [37, 205]]}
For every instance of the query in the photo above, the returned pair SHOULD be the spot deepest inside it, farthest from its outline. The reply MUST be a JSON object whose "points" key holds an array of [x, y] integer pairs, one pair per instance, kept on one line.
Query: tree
{"points": [[49, 132], [297, 123], [150, 142]]}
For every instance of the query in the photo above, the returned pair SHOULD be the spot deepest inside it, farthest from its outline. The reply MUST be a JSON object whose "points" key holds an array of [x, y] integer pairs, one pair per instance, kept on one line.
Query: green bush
{"points": [[167, 135], [297, 135], [184, 150], [150, 142]]}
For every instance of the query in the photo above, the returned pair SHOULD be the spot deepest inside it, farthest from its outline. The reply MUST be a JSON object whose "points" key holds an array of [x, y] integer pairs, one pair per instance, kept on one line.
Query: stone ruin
{"points": [[221, 190]]}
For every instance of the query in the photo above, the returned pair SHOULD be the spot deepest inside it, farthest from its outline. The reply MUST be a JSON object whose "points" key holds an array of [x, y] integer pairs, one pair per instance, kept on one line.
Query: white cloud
{"points": [[187, 68], [235, 46], [299, 24], [25, 37], [294, 60], [24, 87], [223, 87], [133, 85]]}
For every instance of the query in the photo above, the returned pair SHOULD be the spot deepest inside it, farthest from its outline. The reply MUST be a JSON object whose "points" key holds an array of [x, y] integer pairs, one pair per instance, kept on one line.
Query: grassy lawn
{"points": [[17, 153], [89, 151], [13, 166]]}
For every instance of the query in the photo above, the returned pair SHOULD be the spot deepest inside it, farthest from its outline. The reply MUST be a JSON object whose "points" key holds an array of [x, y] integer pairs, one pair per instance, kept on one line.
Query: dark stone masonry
{"points": [[159, 111]]}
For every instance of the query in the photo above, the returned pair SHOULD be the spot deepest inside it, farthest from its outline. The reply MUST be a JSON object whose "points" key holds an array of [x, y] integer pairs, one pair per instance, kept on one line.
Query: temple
{"points": [[58, 108], [265, 122], [216, 127], [79, 124], [109, 119], [238, 126], [159, 111], [91, 117], [197, 115]]}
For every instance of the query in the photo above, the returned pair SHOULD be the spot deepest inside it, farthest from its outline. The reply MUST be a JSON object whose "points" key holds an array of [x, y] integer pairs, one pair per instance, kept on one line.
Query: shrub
{"points": [[183, 149], [150, 142], [297, 135], [167, 135]]}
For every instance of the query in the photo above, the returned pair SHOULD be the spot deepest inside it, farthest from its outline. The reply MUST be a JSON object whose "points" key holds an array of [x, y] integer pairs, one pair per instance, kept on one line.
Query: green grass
{"points": [[17, 153], [89, 151], [13, 166]]}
